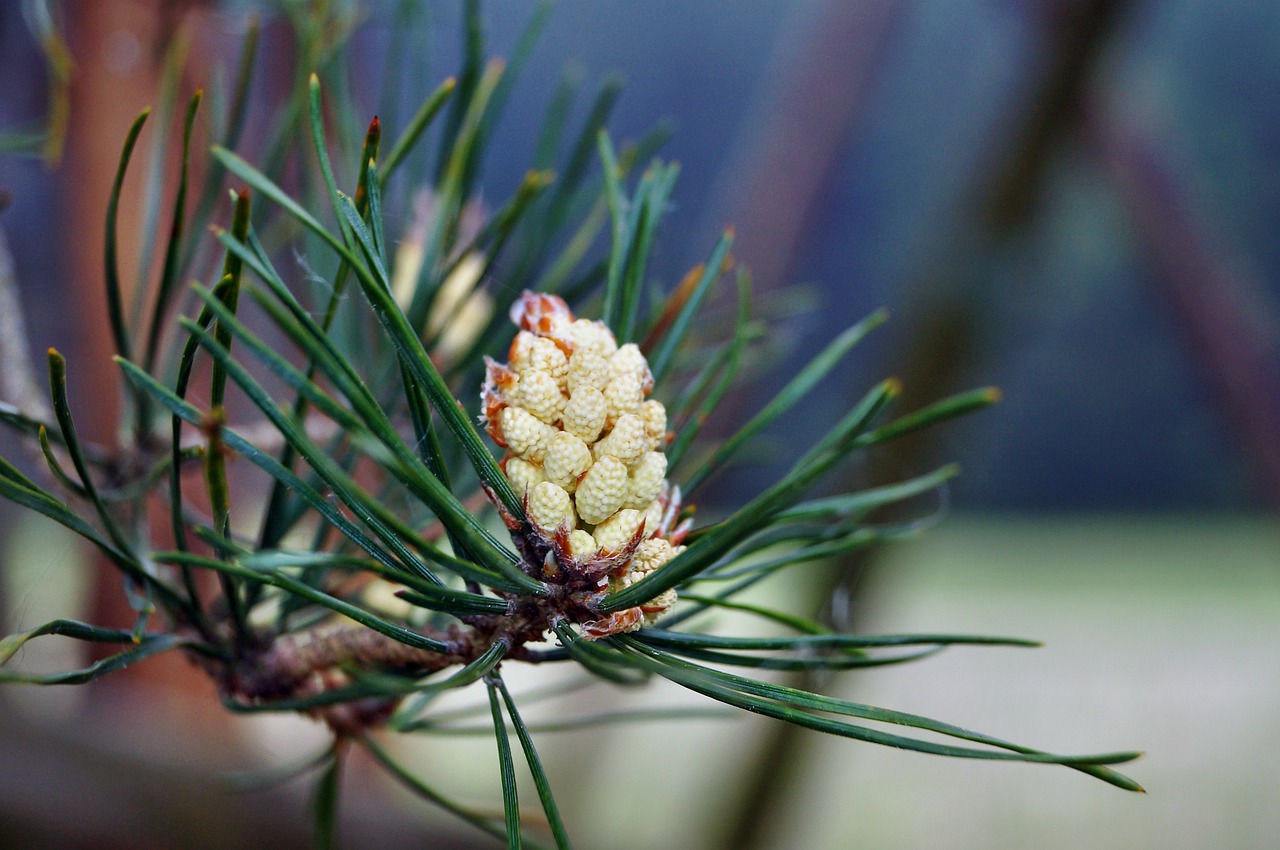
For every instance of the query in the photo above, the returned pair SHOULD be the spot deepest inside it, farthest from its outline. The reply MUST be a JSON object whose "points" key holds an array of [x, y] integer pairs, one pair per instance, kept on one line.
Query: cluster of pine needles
{"points": [[362, 571]]}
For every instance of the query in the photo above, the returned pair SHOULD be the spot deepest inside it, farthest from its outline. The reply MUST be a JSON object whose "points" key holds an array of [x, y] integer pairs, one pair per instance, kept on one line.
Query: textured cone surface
{"points": [[585, 447]]}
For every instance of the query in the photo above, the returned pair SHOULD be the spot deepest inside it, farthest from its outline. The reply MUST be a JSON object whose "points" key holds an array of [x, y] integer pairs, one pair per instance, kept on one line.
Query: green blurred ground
{"points": [[1161, 635]]}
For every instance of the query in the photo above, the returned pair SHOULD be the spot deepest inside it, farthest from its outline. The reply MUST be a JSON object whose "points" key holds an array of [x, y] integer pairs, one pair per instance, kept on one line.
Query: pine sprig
{"points": [[391, 557]]}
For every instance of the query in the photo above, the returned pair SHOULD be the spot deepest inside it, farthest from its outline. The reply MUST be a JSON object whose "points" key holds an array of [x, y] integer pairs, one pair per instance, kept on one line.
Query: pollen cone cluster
{"points": [[585, 447]]}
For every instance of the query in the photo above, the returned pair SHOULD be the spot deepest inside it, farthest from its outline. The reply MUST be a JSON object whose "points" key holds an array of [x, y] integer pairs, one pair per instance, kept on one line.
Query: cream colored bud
{"points": [[469, 321], [524, 433], [518, 353], [523, 475], [658, 606], [567, 459], [628, 361], [539, 394], [545, 356], [459, 309], [650, 555], [646, 480], [626, 441], [585, 413], [654, 415], [585, 334], [550, 507], [623, 394], [408, 263], [616, 532], [602, 490], [581, 544], [653, 518], [587, 368]]}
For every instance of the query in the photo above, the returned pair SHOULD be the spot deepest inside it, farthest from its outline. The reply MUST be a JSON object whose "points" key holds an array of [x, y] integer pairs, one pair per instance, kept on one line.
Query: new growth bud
{"points": [[585, 448]]}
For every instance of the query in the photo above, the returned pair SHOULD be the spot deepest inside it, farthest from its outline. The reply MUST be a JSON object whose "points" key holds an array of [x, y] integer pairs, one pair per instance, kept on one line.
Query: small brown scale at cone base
{"points": [[584, 449]]}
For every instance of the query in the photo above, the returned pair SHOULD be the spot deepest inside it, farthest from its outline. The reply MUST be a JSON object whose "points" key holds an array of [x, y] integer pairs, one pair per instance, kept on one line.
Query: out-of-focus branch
{"points": [[791, 148], [1231, 325], [948, 295], [798, 130], [1079, 33]]}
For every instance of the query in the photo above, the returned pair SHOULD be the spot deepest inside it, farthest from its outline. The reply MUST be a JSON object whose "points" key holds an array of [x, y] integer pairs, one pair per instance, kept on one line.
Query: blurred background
{"points": [[1070, 199]]}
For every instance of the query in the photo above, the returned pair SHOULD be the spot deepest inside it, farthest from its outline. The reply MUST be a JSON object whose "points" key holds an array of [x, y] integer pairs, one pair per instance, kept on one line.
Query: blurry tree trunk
{"points": [[778, 172], [1229, 320], [119, 50]]}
